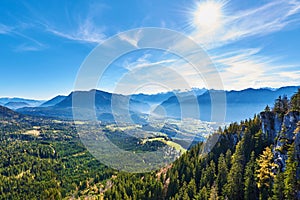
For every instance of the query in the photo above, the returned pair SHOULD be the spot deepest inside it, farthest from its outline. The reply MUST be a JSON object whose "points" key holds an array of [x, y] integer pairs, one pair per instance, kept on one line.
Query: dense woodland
{"points": [[241, 165], [51, 166]]}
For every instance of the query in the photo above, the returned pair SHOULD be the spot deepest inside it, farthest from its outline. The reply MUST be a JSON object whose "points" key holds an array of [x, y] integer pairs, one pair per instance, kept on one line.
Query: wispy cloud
{"points": [[28, 47], [250, 67], [247, 68], [143, 62], [269, 18], [264, 20], [154, 72], [132, 39], [86, 32], [82, 27], [4, 29], [293, 76], [30, 44], [239, 69]]}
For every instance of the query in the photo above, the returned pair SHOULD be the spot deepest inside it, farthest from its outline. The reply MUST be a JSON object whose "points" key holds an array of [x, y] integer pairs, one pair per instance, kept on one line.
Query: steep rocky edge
{"points": [[282, 130]]}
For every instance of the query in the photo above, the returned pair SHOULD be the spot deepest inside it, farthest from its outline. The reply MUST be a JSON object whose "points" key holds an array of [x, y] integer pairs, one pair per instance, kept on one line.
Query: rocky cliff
{"points": [[282, 130]]}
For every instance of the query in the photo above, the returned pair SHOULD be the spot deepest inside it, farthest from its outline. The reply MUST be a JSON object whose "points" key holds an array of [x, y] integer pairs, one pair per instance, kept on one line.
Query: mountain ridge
{"points": [[55, 100], [250, 100]]}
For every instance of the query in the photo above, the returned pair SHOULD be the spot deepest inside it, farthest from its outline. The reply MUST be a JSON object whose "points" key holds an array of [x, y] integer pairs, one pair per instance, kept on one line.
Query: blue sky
{"points": [[43, 43]]}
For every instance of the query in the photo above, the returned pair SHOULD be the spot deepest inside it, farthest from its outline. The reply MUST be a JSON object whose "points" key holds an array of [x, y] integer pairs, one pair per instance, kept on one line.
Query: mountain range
{"points": [[239, 104], [16, 103]]}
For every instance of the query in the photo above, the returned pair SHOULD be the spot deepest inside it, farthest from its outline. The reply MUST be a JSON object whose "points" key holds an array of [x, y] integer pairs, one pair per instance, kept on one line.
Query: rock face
{"points": [[290, 123], [297, 144], [271, 124], [282, 130]]}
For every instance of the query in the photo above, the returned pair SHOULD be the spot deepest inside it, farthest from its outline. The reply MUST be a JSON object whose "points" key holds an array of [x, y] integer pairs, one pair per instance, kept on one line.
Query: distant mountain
{"points": [[29, 102], [239, 104], [16, 105], [152, 98], [103, 101], [193, 91], [53, 101], [161, 97]]}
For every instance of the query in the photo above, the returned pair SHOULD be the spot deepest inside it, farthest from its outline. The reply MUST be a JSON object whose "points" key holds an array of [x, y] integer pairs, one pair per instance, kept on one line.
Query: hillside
{"points": [[255, 159], [6, 113]]}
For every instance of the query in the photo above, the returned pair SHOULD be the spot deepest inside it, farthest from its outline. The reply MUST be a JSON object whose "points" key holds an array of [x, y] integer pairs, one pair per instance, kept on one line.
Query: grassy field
{"points": [[169, 143]]}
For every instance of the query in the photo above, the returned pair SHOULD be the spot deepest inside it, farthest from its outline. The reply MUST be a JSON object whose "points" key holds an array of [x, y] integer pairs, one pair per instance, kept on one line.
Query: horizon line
{"points": [[174, 90]]}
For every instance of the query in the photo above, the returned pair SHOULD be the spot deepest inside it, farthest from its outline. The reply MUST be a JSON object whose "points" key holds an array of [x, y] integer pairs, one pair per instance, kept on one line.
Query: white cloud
{"points": [[246, 68], [149, 71], [133, 38], [243, 68], [153, 79], [145, 63], [294, 76]]}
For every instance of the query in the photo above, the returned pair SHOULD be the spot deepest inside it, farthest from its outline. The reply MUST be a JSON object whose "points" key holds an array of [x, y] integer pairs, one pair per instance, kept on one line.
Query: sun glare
{"points": [[207, 15]]}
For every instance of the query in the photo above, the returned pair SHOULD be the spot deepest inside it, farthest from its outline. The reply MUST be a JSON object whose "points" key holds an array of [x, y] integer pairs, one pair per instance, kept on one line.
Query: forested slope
{"points": [[255, 159]]}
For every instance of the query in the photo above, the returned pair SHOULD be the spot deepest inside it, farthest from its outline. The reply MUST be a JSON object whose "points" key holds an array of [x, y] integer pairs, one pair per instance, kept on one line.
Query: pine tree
{"points": [[228, 158], [234, 187], [222, 172], [247, 143], [250, 183], [285, 103], [214, 192], [191, 188], [259, 144], [267, 108], [185, 195], [290, 174], [211, 171], [173, 185], [278, 187], [203, 194], [279, 105], [295, 101], [265, 173], [183, 190], [208, 174]]}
